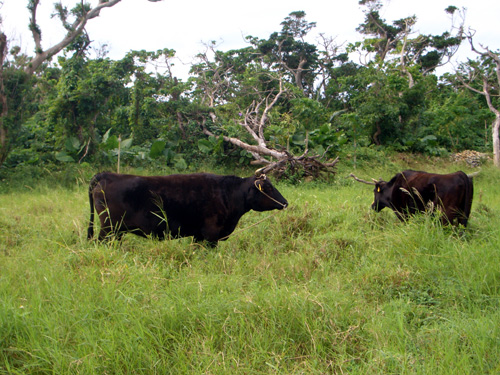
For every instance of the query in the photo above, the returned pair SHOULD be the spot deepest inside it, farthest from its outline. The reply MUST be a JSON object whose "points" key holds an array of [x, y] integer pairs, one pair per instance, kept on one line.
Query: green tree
{"points": [[89, 96], [257, 100], [288, 51], [393, 41], [18, 98], [457, 118], [74, 20], [391, 94]]}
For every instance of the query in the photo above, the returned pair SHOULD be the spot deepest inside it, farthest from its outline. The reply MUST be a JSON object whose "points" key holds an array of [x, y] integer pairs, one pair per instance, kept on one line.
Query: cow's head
{"points": [[383, 192], [264, 196]]}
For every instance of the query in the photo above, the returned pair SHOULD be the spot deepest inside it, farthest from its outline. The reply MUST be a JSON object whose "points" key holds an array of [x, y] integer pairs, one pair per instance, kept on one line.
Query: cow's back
{"points": [[452, 192], [183, 205], [197, 204]]}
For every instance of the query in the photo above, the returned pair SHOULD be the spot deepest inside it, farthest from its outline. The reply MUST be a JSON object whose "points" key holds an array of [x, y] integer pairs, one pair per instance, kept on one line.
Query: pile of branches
{"points": [[304, 166]]}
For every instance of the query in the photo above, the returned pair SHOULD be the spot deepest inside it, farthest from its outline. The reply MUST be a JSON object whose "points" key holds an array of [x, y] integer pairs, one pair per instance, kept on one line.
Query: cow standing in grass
{"points": [[205, 206], [411, 191]]}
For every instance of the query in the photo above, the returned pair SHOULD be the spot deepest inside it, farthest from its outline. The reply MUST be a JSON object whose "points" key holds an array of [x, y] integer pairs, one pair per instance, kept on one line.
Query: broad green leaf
{"points": [[64, 157], [205, 146], [111, 143], [157, 149], [127, 143], [180, 164], [106, 136], [72, 144]]}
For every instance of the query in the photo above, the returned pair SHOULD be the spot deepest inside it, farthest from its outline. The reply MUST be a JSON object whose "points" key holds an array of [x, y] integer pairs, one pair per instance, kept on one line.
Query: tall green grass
{"points": [[326, 286]]}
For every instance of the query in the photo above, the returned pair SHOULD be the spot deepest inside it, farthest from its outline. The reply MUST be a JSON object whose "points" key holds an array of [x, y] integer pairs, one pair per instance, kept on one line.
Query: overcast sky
{"points": [[185, 25]]}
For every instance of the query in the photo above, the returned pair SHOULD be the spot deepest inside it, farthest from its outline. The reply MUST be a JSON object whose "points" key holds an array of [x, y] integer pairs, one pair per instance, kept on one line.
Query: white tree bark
{"points": [[486, 91], [496, 142]]}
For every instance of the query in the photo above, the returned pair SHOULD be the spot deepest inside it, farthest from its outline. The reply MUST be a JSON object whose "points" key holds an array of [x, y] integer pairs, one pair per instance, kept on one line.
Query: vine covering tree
{"points": [[74, 21]]}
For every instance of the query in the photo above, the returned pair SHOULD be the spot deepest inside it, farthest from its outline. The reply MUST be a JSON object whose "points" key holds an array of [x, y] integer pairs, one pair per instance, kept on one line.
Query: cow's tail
{"points": [[469, 193], [93, 182]]}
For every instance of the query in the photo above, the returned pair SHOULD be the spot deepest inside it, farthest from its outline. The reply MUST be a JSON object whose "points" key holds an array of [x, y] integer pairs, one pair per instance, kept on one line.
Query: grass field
{"points": [[326, 286]]}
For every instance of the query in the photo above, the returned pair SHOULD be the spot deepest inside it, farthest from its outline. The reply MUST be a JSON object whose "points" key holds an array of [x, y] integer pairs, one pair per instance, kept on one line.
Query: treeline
{"points": [[277, 96]]}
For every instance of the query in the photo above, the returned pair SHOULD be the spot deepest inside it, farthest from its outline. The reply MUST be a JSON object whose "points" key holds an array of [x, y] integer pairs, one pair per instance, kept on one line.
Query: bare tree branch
{"points": [[407, 30], [256, 150], [76, 29], [41, 55]]}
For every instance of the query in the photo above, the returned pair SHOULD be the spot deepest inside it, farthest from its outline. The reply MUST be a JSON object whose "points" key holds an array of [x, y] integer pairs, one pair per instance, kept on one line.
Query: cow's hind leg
{"points": [[109, 229], [447, 217], [454, 216], [462, 218], [106, 234]]}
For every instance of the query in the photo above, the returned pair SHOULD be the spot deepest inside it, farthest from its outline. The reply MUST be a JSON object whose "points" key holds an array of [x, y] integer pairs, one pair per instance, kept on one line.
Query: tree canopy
{"points": [[282, 98]]}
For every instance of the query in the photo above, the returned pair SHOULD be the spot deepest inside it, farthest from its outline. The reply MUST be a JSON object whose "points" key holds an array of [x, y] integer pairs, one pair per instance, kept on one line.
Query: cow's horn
{"points": [[258, 172], [363, 181]]}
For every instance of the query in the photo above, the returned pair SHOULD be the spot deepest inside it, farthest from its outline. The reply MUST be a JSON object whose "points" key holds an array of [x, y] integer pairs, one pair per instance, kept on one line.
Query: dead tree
{"points": [[280, 162]]}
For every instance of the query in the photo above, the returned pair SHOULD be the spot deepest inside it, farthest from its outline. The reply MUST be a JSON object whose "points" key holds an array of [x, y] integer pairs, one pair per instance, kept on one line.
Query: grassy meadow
{"points": [[326, 286]]}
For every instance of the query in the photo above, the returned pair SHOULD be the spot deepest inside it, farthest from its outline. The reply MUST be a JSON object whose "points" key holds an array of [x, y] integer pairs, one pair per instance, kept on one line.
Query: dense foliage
{"points": [[281, 94]]}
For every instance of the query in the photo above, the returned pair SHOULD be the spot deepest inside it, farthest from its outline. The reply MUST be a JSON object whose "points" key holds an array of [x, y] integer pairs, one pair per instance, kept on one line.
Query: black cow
{"points": [[413, 191], [205, 206]]}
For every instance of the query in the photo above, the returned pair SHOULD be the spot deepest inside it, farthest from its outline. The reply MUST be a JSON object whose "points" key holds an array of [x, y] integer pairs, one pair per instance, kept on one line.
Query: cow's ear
{"points": [[377, 188]]}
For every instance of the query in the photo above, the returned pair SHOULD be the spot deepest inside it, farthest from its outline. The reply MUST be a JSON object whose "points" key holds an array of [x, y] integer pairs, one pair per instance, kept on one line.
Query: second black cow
{"points": [[411, 191], [205, 206]]}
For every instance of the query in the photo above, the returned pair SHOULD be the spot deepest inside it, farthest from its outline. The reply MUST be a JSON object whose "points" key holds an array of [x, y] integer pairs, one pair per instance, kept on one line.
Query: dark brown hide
{"points": [[413, 191], [205, 206]]}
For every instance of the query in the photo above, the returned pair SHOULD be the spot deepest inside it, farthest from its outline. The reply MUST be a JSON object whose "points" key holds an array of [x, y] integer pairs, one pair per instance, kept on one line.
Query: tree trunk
{"points": [[256, 150], [4, 133], [496, 123], [496, 141], [486, 91], [376, 134]]}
